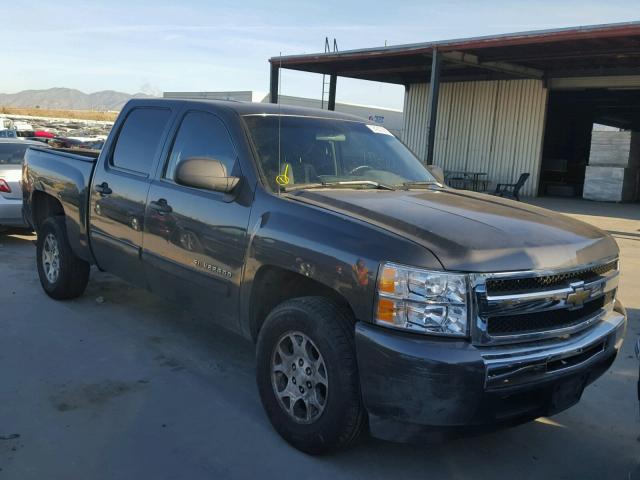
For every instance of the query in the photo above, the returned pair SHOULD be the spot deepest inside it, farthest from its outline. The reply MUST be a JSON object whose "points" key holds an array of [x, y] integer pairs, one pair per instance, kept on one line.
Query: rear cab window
{"points": [[139, 139]]}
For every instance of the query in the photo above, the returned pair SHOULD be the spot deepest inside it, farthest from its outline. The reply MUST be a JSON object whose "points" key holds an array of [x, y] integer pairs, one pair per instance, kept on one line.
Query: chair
{"points": [[456, 179], [511, 189]]}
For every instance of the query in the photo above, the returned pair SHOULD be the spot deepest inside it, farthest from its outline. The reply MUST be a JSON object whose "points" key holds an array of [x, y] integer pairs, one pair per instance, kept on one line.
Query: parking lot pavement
{"points": [[120, 384]]}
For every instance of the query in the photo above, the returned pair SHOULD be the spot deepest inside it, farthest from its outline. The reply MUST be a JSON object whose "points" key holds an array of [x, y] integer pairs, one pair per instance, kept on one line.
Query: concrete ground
{"points": [[120, 384]]}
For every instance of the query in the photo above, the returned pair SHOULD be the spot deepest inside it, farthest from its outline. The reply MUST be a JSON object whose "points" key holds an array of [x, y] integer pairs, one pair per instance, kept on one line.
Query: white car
{"points": [[21, 126], [11, 158]]}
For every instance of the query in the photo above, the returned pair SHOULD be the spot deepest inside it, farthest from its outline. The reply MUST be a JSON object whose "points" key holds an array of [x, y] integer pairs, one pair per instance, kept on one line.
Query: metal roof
{"points": [[609, 49]]}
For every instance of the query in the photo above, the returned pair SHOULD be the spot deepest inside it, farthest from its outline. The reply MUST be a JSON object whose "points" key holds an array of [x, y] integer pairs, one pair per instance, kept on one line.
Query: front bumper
{"points": [[410, 382], [11, 213]]}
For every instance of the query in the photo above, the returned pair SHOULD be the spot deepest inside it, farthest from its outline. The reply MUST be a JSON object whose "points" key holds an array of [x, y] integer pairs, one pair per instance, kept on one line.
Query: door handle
{"points": [[103, 189], [161, 206]]}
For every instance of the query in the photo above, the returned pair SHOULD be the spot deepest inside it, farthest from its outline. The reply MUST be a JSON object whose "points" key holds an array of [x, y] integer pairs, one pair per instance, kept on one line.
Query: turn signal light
{"points": [[387, 282], [385, 311], [4, 186]]}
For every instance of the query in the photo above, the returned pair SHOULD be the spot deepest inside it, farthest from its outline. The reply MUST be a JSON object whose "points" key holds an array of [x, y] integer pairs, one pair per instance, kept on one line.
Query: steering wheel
{"points": [[358, 170]]}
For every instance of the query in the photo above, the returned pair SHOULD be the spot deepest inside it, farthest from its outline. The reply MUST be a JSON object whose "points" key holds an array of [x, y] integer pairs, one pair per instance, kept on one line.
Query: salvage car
{"points": [[11, 157], [378, 298], [8, 133]]}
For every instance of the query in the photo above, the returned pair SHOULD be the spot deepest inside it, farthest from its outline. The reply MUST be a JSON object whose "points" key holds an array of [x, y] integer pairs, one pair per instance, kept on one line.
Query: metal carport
{"points": [[477, 76]]}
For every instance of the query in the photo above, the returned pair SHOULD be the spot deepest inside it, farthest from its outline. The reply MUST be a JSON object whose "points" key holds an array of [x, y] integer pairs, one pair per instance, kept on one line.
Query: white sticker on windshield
{"points": [[379, 129]]}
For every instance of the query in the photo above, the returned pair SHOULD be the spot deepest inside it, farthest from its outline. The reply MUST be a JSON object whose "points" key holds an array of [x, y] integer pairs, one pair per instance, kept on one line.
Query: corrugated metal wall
{"points": [[494, 126]]}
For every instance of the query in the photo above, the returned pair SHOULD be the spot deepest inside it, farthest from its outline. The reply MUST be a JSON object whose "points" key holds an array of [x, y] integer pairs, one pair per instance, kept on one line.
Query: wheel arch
{"points": [[273, 285], [43, 207]]}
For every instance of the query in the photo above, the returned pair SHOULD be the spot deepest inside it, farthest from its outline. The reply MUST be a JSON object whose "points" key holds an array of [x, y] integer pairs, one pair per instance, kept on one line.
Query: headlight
{"points": [[422, 301]]}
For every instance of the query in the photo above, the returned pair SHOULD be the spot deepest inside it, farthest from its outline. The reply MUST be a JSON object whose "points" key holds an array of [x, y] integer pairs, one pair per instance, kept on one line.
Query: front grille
{"points": [[520, 308], [545, 320], [501, 286]]}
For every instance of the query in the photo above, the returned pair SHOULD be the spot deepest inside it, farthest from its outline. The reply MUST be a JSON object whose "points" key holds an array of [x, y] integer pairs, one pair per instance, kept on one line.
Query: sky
{"points": [[196, 45]]}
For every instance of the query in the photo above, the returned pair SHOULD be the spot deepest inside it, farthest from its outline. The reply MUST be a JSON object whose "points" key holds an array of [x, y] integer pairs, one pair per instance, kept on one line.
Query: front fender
{"points": [[333, 249]]}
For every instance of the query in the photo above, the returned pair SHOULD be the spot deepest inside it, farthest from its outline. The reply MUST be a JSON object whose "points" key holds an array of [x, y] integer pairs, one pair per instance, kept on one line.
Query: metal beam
{"points": [[378, 70], [503, 67], [621, 81], [568, 55], [331, 104], [434, 91], [273, 92]]}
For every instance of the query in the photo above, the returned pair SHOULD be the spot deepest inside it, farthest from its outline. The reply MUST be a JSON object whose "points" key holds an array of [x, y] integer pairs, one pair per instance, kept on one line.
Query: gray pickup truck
{"points": [[377, 296]]}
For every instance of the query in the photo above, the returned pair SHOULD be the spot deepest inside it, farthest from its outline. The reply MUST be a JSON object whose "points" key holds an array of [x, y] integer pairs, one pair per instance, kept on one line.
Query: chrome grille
{"points": [[539, 321], [506, 285], [525, 306]]}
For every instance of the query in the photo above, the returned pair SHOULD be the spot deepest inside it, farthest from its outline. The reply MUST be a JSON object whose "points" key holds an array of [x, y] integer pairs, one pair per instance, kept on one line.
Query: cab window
{"points": [[201, 134], [139, 139]]}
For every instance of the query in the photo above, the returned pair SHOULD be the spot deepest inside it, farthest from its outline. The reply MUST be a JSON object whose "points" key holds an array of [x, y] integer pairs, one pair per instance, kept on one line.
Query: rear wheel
{"points": [[62, 274], [307, 375]]}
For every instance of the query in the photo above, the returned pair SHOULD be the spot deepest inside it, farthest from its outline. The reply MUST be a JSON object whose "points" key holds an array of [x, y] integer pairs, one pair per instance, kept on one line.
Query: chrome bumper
{"points": [[513, 365]]}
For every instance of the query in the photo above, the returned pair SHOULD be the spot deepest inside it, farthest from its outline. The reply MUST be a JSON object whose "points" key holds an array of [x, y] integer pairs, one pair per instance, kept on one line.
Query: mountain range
{"points": [[67, 99]]}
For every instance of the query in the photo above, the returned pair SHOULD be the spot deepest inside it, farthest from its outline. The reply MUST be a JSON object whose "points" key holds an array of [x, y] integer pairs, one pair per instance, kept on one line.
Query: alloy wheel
{"points": [[299, 377], [51, 258]]}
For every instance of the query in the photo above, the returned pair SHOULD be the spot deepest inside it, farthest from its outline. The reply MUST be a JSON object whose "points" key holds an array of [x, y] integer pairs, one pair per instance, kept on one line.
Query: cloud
{"points": [[150, 89]]}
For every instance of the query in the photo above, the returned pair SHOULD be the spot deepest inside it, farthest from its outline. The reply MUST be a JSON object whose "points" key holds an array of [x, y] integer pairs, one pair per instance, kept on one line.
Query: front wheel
{"points": [[308, 376], [62, 274]]}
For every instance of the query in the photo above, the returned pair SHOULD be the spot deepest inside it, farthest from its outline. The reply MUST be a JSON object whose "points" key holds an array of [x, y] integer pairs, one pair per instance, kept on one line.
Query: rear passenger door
{"points": [[195, 239], [119, 191]]}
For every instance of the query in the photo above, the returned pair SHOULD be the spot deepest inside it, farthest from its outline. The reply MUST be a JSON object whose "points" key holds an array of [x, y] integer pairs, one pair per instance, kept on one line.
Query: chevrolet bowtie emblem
{"points": [[579, 295]]}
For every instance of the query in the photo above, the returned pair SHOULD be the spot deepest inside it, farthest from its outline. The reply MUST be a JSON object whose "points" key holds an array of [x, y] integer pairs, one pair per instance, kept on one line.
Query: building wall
{"points": [[238, 95], [391, 119], [495, 127]]}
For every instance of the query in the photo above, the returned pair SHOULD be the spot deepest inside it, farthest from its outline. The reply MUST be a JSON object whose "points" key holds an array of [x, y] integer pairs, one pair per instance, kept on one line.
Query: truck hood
{"points": [[473, 232]]}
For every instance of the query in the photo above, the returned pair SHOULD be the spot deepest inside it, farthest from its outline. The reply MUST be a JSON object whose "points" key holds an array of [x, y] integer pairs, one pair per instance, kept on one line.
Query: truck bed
{"points": [[64, 176]]}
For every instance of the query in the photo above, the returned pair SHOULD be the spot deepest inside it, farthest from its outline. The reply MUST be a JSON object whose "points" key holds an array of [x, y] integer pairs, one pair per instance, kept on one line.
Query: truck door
{"points": [[195, 240], [119, 192]]}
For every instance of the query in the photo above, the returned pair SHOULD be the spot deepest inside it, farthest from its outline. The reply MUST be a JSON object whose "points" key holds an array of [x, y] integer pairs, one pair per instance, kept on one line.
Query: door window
{"points": [[201, 134], [139, 139]]}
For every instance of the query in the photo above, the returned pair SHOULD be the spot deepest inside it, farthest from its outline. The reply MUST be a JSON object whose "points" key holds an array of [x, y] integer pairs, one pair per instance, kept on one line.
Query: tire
{"points": [[324, 330], [72, 274]]}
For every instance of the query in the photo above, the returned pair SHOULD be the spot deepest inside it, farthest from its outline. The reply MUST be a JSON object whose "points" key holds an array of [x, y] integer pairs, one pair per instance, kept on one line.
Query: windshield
{"points": [[12, 153], [326, 151]]}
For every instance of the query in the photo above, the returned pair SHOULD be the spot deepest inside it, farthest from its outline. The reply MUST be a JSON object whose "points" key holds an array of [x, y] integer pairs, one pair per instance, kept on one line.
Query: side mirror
{"points": [[206, 173], [437, 173]]}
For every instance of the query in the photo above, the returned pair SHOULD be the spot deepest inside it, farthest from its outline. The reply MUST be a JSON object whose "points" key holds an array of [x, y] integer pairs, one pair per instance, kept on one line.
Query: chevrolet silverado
{"points": [[378, 298]]}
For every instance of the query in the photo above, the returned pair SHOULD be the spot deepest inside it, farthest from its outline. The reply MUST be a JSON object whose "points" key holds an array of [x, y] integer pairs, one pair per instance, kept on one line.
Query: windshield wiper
{"points": [[350, 183], [300, 186], [356, 183], [429, 183]]}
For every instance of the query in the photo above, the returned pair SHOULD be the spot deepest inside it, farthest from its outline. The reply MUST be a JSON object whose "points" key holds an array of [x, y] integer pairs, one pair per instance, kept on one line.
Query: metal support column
{"points": [[331, 104], [434, 90], [275, 72]]}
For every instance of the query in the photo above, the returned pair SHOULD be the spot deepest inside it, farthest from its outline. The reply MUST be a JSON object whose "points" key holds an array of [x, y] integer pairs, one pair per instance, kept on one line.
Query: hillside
{"points": [[67, 99]]}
